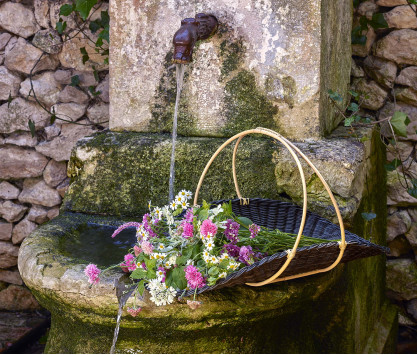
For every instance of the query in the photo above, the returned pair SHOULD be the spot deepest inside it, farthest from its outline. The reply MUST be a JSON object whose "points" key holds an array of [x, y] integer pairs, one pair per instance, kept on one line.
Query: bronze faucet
{"points": [[192, 30]]}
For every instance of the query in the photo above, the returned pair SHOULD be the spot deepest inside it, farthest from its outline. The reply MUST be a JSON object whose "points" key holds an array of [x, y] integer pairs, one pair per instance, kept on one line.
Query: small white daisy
{"points": [[223, 274], [173, 205]]}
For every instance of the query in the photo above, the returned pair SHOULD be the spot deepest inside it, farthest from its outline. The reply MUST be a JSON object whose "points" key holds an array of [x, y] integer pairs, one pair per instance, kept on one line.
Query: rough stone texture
{"points": [[38, 214], [4, 39], [402, 278], [53, 212], [37, 192], [8, 255], [391, 3], [407, 77], [412, 211], [9, 83], [412, 308], [11, 211], [54, 14], [72, 94], [252, 65], [48, 40], [407, 95], [71, 57], [22, 230], [60, 147], [11, 277], [411, 235], [356, 70], [399, 247], [6, 231], [45, 86], [411, 111], [402, 150], [8, 191], [62, 188], [18, 19], [376, 94], [22, 56], [399, 46], [86, 78], [42, 12], [98, 113], [103, 87], [69, 111], [52, 131], [401, 17], [17, 298], [397, 224], [55, 172], [382, 71], [23, 139], [363, 50], [63, 76], [367, 8], [397, 193], [20, 163]]}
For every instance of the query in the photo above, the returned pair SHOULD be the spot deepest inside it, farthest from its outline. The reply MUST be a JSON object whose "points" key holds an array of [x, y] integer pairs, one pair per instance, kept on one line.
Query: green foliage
{"points": [[75, 80], [399, 122], [367, 216], [377, 21], [394, 164], [84, 7], [66, 9], [32, 127], [61, 26], [413, 190]]}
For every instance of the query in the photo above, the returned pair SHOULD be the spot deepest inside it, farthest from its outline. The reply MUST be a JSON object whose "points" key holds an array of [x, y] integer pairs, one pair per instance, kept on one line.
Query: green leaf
{"points": [[138, 274], [203, 215], [61, 26], [84, 7], [335, 96], [105, 18], [214, 270], [177, 211], [95, 73], [94, 26], [353, 107], [105, 34], [168, 278], [150, 274], [368, 216], [9, 99], [83, 51], [66, 9], [353, 93], [75, 80], [245, 221], [206, 205], [413, 191], [85, 58], [150, 264], [141, 287], [378, 21], [364, 139], [53, 118], [399, 123], [178, 276], [348, 121], [93, 91], [32, 128], [363, 21], [391, 166]]}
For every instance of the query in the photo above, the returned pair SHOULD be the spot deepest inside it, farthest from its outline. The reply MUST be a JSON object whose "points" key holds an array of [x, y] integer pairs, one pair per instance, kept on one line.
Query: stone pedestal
{"points": [[270, 64]]}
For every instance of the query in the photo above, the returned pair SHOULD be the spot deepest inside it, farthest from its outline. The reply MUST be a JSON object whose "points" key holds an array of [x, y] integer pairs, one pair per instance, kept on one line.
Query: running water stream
{"points": [[180, 78]]}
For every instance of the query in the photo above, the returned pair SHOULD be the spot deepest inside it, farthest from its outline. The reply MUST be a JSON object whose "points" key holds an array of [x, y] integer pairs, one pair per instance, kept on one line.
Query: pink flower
{"points": [[129, 262], [124, 226], [208, 227], [188, 229], [133, 311], [137, 250], [147, 247], [189, 216], [194, 277], [193, 304], [92, 272]]}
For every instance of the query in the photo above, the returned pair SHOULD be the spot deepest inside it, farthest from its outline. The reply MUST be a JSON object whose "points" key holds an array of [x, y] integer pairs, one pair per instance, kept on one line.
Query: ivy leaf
{"points": [[93, 91], [353, 107], [353, 93], [75, 80], [391, 166], [94, 26], [378, 21], [95, 73], [348, 121], [84, 7], [66, 9], [32, 128], [399, 122], [141, 287], [61, 26], [413, 191], [335, 96], [367, 216], [138, 274]]}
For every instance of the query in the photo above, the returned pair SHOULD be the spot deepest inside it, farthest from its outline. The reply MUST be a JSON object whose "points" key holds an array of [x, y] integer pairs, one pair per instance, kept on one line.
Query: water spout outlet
{"points": [[192, 30]]}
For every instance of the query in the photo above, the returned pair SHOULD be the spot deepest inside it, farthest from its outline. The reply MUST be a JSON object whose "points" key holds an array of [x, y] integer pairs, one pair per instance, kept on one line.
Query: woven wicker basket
{"points": [[290, 218]]}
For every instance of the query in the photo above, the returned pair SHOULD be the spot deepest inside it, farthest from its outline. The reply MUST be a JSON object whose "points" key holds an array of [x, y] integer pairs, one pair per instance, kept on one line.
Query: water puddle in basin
{"points": [[92, 243]]}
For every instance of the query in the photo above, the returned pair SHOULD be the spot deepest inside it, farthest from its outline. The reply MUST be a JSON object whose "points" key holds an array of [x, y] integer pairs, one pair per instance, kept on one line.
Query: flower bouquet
{"points": [[181, 249]]}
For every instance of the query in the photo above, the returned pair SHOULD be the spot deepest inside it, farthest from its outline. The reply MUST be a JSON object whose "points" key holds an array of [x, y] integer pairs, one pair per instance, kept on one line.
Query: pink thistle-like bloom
{"points": [[129, 263], [137, 250], [189, 216], [188, 230], [92, 272], [246, 255], [208, 227], [124, 226], [194, 277], [147, 247], [193, 304], [254, 229], [133, 311]]}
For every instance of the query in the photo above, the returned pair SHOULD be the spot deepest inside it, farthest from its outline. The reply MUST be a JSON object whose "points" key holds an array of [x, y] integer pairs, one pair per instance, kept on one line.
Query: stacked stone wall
{"points": [[33, 170], [386, 69]]}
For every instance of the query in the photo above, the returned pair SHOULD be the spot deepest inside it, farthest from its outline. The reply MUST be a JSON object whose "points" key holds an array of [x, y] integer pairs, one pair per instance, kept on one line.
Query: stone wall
{"points": [[386, 69], [33, 170]]}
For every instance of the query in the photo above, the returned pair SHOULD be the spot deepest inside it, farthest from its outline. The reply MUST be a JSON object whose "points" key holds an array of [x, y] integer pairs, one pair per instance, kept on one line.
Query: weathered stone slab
{"points": [[408, 77], [22, 139], [103, 87], [391, 2], [48, 40], [41, 8], [38, 214], [8, 254], [376, 95], [363, 50], [55, 172], [402, 278], [22, 230], [401, 17], [72, 94], [382, 71], [18, 19], [252, 65], [44, 85], [21, 163], [98, 112], [407, 95], [11, 277], [9, 83], [37, 192], [69, 111], [8, 191], [6, 231], [4, 39], [16, 115], [397, 224], [17, 298], [12, 212], [397, 194], [399, 46]]}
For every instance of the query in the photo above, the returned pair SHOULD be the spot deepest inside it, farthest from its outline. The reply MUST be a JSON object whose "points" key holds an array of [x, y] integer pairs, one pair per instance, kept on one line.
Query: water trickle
{"points": [[180, 78], [124, 290]]}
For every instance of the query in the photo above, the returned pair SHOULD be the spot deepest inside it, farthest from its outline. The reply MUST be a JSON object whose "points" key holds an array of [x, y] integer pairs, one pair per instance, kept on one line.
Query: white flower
{"points": [[188, 194], [223, 274], [179, 200], [233, 265], [149, 204], [215, 211], [209, 243], [161, 295], [185, 205], [160, 274], [214, 260], [173, 206], [190, 262], [224, 256], [157, 213], [161, 246]]}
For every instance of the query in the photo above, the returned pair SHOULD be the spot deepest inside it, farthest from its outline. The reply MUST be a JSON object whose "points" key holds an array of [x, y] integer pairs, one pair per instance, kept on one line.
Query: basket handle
{"points": [[291, 148]]}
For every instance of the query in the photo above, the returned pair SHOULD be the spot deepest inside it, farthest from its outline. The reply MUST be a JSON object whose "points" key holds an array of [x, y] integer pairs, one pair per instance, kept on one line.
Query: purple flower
{"points": [[189, 216], [232, 230], [188, 230], [194, 277], [92, 272], [232, 249], [246, 255], [124, 226], [254, 229], [147, 227]]}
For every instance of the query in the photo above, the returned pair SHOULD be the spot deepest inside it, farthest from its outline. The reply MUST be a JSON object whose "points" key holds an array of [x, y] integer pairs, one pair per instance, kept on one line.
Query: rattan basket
{"points": [[290, 218]]}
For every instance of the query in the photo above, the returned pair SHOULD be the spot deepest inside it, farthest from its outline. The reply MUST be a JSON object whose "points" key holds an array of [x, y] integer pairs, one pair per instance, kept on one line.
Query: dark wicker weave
{"points": [[286, 217]]}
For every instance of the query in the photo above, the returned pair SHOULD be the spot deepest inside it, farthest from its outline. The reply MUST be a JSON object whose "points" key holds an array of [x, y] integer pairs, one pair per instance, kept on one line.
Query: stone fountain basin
{"points": [[52, 260]]}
